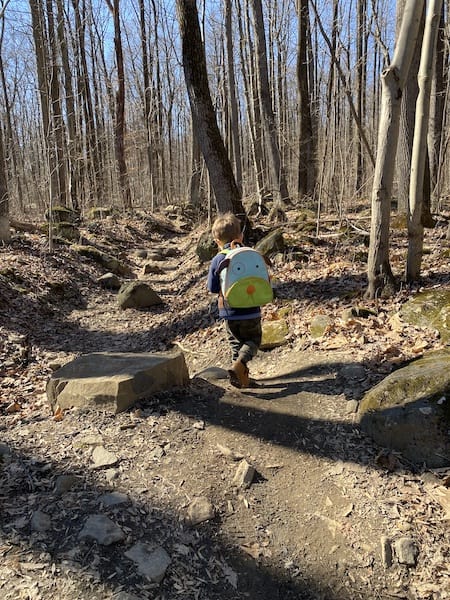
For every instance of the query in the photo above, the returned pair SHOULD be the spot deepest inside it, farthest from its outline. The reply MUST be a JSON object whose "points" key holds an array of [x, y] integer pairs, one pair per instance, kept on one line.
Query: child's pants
{"points": [[244, 337]]}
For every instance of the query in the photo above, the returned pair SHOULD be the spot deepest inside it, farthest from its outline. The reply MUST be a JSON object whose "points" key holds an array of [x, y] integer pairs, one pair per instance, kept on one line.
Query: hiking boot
{"points": [[239, 375]]}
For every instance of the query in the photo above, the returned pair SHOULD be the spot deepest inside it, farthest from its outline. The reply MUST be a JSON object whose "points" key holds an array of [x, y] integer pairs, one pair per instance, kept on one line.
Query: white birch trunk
{"points": [[393, 81], [419, 150]]}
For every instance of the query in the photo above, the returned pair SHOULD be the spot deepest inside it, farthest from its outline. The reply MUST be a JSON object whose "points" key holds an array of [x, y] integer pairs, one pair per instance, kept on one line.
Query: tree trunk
{"points": [[393, 81], [419, 150], [119, 112], [5, 232], [278, 176], [408, 109], [211, 144], [436, 127], [234, 114], [306, 154]]}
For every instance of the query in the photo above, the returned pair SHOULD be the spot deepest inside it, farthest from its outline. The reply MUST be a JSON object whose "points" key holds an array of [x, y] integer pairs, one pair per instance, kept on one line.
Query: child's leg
{"points": [[245, 339]]}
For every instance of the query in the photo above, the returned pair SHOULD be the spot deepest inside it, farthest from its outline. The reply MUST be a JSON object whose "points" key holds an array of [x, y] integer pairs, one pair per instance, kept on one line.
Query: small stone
{"points": [[151, 563], [101, 529], [111, 474], [114, 498], [40, 521], [351, 407], [200, 510], [406, 551], [64, 483], [386, 552], [103, 458], [244, 475]]}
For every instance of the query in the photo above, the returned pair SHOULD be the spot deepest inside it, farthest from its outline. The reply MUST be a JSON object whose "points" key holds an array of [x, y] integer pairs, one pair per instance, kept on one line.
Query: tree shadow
{"points": [[205, 564]]}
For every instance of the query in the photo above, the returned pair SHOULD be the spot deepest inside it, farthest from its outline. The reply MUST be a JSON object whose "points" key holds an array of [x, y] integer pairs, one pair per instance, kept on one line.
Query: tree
{"points": [[393, 80], [306, 151], [407, 116], [5, 232], [278, 175], [210, 141], [119, 113], [419, 150]]}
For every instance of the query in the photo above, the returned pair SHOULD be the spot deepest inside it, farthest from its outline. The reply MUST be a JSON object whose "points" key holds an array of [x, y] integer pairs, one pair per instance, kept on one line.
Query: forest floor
{"points": [[324, 500]]}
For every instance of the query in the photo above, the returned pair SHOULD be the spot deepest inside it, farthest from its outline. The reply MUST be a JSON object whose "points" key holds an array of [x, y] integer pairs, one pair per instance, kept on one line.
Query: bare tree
{"points": [[211, 144], [278, 175], [306, 151], [119, 113], [393, 80], [419, 150]]}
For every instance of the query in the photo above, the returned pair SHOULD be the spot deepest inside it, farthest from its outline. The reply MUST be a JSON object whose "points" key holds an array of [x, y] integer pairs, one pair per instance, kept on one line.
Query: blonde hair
{"points": [[226, 228]]}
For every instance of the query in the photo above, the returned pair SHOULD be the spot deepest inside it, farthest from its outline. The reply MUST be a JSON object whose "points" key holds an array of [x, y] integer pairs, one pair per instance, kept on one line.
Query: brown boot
{"points": [[239, 375]]}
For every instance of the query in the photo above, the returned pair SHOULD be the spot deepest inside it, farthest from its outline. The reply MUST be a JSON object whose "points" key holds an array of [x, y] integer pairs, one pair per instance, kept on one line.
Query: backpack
{"points": [[244, 278]]}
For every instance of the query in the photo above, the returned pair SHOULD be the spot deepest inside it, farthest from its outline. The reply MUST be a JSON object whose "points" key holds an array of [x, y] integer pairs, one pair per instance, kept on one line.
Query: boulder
{"points": [[271, 243], [206, 247], [409, 411], [429, 309], [274, 334], [137, 294], [115, 381]]}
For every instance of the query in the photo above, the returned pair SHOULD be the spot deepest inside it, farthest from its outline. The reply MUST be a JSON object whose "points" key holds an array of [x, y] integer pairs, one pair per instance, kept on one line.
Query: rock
{"points": [[271, 243], [137, 294], [103, 458], [98, 212], [386, 552], [213, 374], [206, 247], [64, 483], [40, 521], [274, 334], [351, 407], [101, 529], [109, 262], [353, 372], [114, 498], [150, 268], [115, 381], [244, 475], [151, 563], [200, 510], [406, 551], [319, 325], [409, 411], [429, 309], [357, 312], [110, 281]]}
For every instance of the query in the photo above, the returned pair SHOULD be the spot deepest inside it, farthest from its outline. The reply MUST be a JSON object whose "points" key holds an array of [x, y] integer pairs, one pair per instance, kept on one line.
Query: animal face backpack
{"points": [[244, 278]]}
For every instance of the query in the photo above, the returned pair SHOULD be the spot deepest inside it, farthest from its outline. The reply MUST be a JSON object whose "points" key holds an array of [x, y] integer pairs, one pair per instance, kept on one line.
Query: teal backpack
{"points": [[244, 278]]}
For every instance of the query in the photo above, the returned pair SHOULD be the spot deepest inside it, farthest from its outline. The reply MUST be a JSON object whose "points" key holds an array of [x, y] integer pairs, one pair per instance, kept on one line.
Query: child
{"points": [[243, 325]]}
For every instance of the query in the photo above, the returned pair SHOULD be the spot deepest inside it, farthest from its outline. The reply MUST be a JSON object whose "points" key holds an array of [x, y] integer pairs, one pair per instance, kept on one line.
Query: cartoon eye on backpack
{"points": [[244, 278]]}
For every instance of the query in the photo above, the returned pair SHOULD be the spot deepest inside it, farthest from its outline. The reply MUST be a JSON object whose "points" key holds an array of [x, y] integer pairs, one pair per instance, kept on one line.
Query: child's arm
{"points": [[213, 282]]}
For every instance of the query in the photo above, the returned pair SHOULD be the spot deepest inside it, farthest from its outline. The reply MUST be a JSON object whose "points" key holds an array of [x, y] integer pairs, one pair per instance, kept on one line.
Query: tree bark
{"points": [[278, 175], [234, 113], [211, 144], [407, 115], [5, 232], [119, 112], [419, 150], [393, 80], [306, 151]]}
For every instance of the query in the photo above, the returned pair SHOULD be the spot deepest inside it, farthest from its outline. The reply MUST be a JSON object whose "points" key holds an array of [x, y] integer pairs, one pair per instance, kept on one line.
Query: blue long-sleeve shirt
{"points": [[225, 311]]}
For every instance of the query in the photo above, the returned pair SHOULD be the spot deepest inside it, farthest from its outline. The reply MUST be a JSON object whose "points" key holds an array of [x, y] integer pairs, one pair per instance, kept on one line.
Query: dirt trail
{"points": [[311, 524]]}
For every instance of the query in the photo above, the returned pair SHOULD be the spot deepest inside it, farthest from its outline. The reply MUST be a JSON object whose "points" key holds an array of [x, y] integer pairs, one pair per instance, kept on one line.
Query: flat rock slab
{"points": [[115, 381]]}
